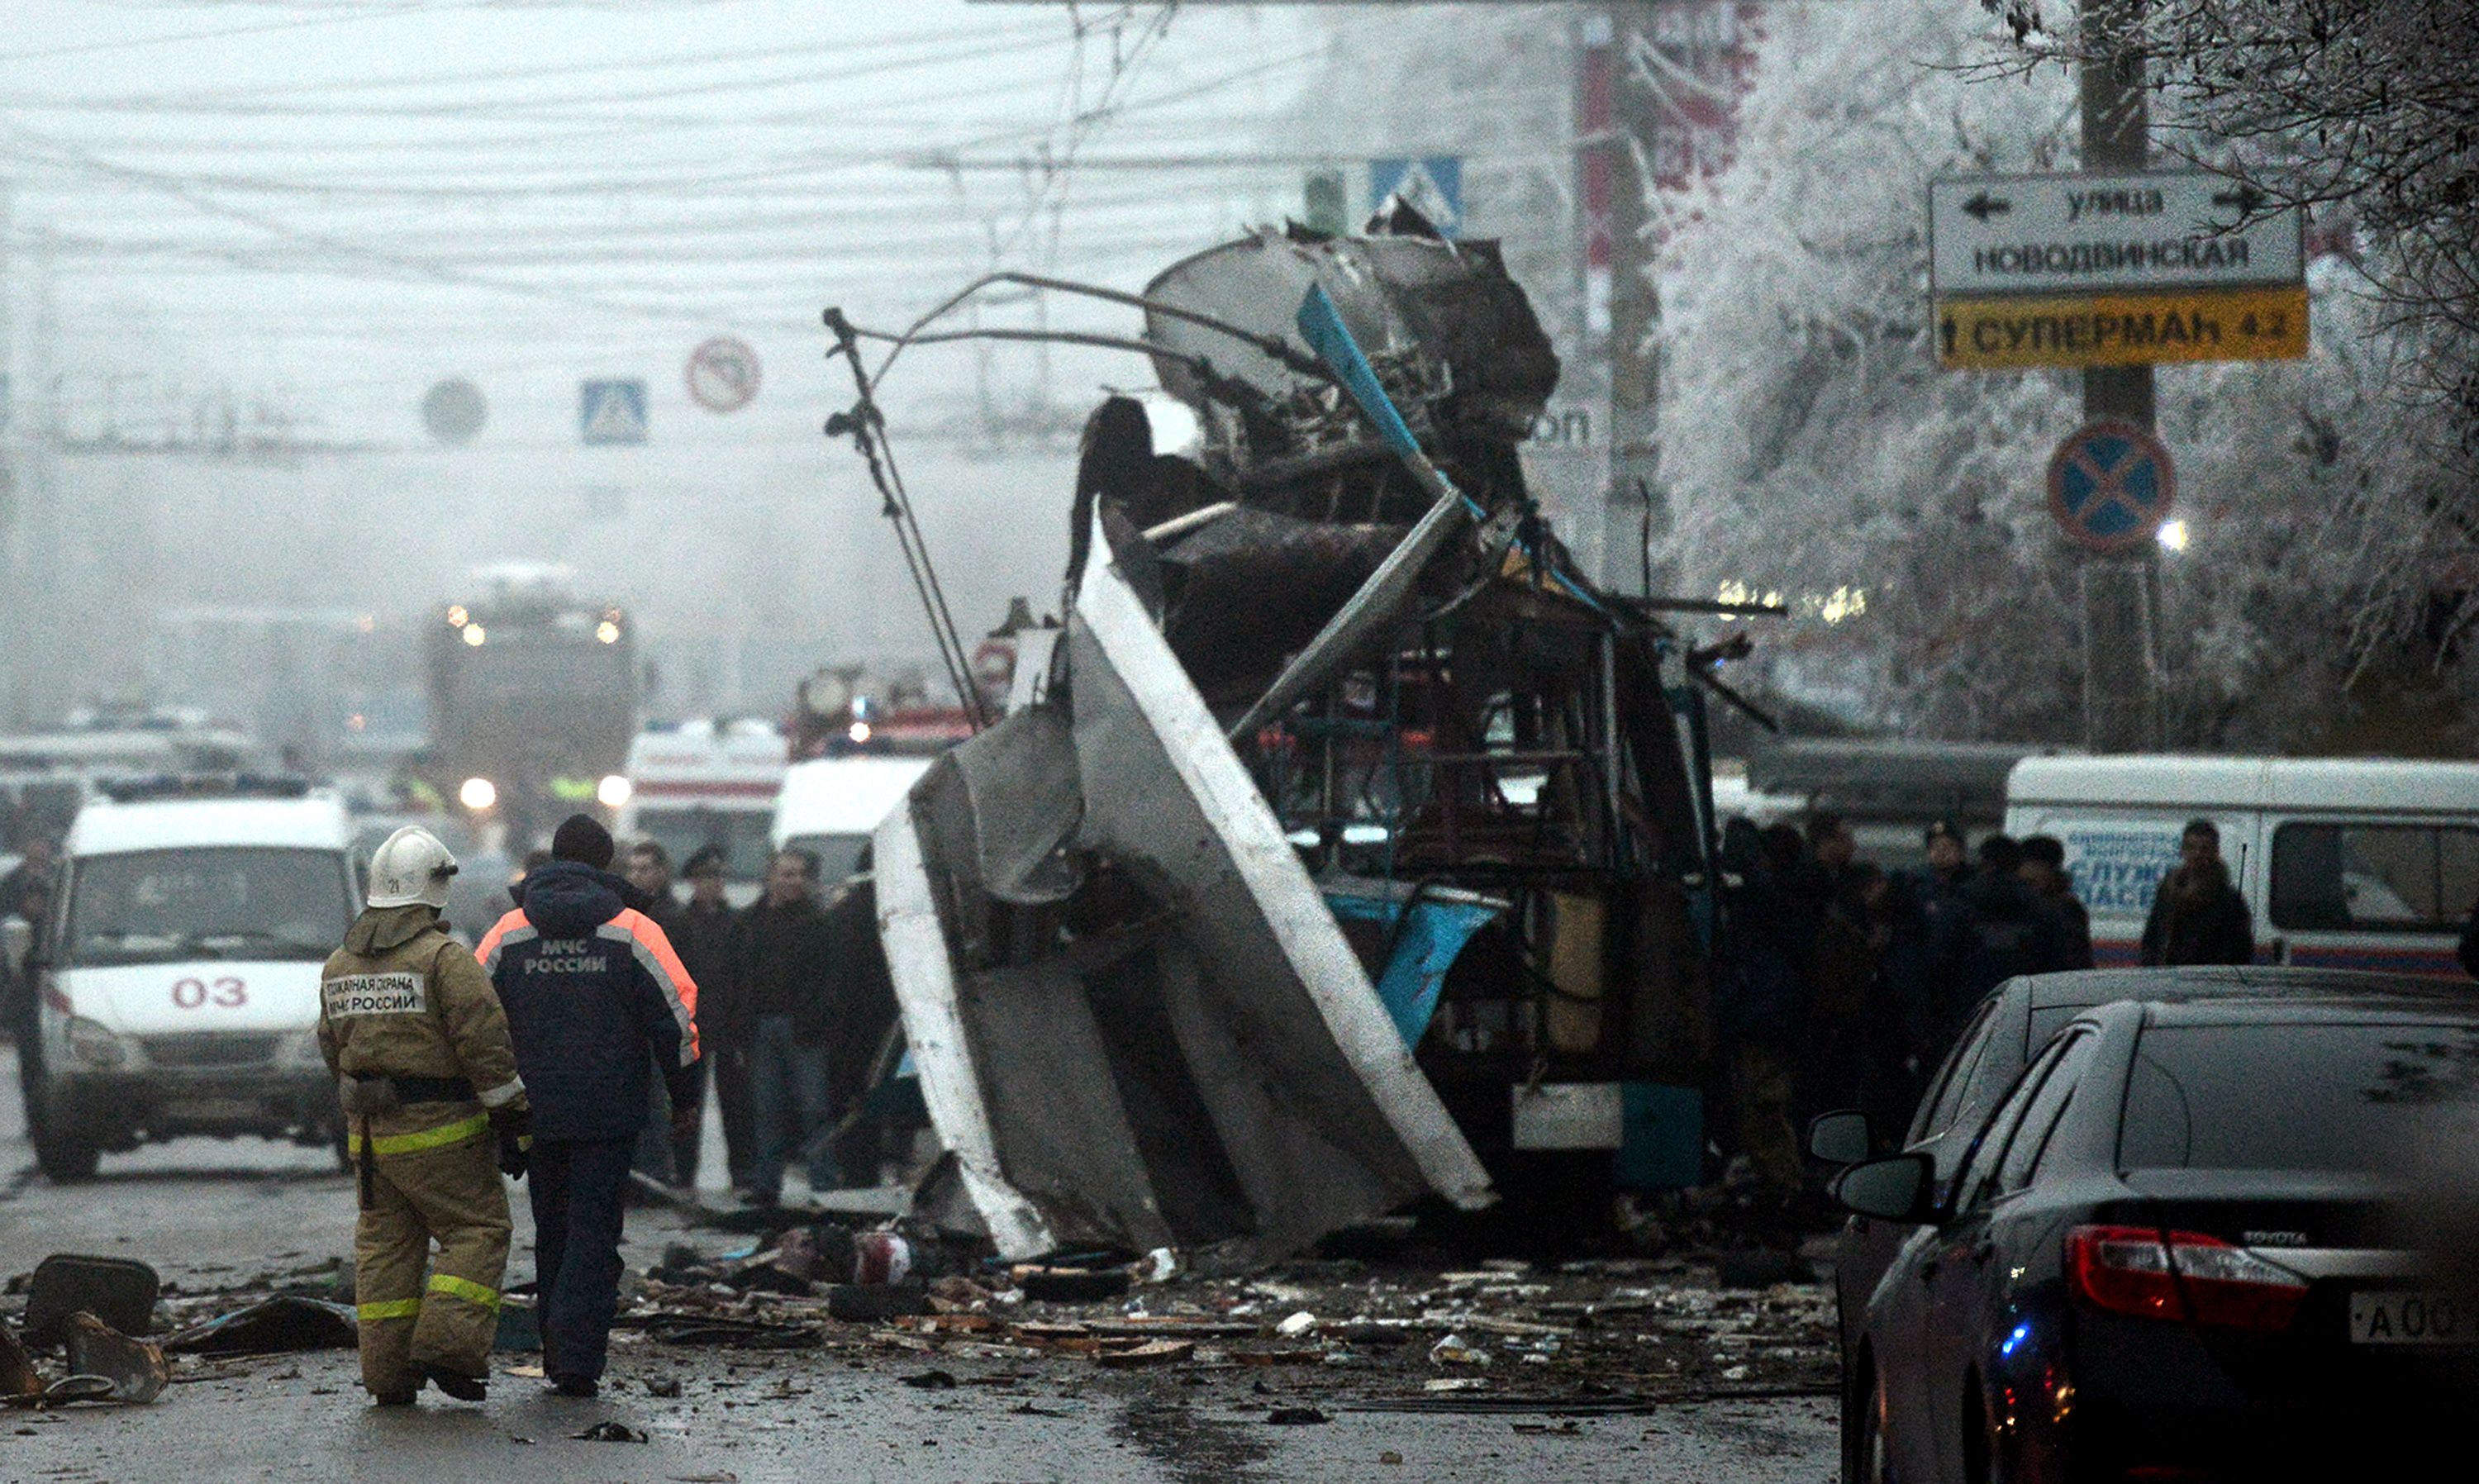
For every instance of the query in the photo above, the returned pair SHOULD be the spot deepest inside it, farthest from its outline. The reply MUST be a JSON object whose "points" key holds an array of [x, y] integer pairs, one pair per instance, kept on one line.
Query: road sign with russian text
{"points": [[2101, 234], [611, 412], [2110, 484], [2121, 329]]}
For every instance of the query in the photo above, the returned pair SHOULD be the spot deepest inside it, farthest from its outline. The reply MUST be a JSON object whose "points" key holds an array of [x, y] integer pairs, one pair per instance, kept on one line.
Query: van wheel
{"points": [[66, 1156]]}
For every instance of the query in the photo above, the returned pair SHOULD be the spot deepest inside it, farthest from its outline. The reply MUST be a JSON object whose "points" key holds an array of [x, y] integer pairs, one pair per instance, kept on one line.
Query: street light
{"points": [[2173, 536]]}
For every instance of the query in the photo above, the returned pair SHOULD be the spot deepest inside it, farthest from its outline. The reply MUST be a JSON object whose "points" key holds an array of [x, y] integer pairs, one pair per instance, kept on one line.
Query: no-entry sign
{"points": [[2111, 485]]}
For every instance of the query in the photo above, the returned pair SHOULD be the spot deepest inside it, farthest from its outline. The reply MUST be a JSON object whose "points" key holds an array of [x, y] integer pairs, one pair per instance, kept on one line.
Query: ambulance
{"points": [[178, 993], [2359, 863], [696, 783]]}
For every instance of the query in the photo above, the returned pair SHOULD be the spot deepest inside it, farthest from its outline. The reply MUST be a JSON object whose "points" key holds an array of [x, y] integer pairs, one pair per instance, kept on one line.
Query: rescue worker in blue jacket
{"points": [[590, 984]]}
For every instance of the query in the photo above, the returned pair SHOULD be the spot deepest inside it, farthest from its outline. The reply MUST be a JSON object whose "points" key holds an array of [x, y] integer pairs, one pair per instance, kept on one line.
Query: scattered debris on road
{"points": [[114, 1290], [280, 1324], [1592, 1335], [135, 1368]]}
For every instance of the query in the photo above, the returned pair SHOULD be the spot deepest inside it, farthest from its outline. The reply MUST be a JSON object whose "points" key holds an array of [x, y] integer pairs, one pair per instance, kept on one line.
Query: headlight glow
{"points": [[95, 1044], [477, 794], [614, 790]]}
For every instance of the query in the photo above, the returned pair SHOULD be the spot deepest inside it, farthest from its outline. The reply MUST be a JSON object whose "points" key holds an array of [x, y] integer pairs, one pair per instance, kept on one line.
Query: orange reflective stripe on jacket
{"points": [[487, 952], [653, 949]]}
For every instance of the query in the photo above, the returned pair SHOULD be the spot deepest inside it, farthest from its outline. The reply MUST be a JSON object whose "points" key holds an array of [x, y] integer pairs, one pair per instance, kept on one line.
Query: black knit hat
{"points": [[582, 839]]}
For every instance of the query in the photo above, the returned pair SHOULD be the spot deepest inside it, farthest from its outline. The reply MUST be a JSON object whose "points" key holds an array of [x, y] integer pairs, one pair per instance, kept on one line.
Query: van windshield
{"points": [[236, 901], [839, 855], [741, 835]]}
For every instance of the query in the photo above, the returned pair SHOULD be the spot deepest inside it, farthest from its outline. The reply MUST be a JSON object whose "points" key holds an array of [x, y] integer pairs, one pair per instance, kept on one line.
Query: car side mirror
{"points": [[1842, 1138], [1895, 1189]]}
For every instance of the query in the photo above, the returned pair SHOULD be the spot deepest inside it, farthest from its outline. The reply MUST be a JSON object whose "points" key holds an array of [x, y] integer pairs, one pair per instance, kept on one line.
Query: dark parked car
{"points": [[2184, 1246], [1995, 1043]]}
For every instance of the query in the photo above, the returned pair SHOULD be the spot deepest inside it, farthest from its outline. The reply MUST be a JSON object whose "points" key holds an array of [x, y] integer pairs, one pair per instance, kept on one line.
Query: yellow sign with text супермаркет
{"points": [[2014, 333]]}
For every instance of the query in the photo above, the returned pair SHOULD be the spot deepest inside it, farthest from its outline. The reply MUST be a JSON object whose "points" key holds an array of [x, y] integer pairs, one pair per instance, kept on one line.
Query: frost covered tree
{"points": [[1813, 447]]}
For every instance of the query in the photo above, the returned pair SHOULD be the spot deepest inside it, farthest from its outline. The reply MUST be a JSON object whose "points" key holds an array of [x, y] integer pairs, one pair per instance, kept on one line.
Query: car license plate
{"points": [[2411, 1317], [213, 1110]]}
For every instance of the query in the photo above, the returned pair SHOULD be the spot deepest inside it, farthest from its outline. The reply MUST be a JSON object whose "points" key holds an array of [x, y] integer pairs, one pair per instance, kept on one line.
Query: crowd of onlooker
{"points": [[795, 1013], [1841, 983]]}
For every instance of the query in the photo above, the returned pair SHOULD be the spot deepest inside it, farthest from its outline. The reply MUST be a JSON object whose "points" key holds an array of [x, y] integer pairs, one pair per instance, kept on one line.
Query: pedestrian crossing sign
{"points": [[1432, 185], [611, 412]]}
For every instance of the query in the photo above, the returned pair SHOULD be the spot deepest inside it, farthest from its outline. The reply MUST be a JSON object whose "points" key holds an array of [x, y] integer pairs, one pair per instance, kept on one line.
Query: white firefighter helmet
{"points": [[411, 866]]}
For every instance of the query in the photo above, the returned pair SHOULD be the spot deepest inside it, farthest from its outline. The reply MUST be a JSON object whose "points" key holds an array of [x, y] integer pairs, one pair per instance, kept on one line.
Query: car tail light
{"points": [[2143, 1271]]}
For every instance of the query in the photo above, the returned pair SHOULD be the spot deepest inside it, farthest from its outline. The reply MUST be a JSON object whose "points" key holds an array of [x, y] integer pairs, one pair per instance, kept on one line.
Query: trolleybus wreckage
{"points": [[1343, 847]]}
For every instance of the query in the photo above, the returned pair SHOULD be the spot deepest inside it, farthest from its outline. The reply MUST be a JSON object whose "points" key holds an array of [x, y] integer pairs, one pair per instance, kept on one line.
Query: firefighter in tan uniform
{"points": [[412, 1029]]}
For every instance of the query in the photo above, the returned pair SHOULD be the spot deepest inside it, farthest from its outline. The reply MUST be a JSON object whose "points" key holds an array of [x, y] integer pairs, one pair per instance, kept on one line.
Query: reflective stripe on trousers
{"points": [[389, 1309], [465, 1289]]}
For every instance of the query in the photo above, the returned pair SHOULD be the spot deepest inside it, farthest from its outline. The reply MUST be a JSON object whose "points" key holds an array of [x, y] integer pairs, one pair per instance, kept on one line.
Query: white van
{"points": [[179, 990], [2344, 862], [696, 783], [830, 805]]}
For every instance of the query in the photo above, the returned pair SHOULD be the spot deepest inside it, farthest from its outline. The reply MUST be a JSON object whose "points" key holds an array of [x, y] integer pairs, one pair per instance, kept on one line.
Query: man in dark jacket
{"points": [[1768, 952], [27, 893], [663, 1152], [703, 938], [2044, 871], [594, 996], [2197, 916], [1901, 1012], [2003, 929], [781, 966]]}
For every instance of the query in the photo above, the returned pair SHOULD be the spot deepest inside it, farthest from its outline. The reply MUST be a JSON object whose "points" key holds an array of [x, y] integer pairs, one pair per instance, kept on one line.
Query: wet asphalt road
{"points": [[210, 1214]]}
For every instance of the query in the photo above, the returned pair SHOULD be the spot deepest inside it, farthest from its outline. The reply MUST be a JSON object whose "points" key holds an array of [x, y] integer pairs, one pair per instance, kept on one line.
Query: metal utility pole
{"points": [[12, 465], [1635, 313], [34, 681], [2120, 595]]}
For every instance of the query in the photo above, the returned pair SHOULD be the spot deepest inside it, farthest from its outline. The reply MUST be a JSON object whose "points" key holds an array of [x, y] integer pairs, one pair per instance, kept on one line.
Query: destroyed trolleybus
{"points": [[1351, 849]]}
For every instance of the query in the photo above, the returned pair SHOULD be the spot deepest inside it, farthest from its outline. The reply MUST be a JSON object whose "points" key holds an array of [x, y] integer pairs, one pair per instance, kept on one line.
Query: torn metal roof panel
{"points": [[1185, 1050]]}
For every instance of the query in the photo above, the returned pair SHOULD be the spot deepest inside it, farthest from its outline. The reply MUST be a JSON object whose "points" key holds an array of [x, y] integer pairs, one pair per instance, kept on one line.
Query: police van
{"points": [[178, 988], [2344, 862]]}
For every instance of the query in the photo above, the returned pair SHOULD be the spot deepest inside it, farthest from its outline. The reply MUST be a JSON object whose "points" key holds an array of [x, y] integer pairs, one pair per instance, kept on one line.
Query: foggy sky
{"points": [[311, 211]]}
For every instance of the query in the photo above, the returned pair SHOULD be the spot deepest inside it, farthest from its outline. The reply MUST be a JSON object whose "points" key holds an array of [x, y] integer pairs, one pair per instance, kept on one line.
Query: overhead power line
{"points": [[183, 39]]}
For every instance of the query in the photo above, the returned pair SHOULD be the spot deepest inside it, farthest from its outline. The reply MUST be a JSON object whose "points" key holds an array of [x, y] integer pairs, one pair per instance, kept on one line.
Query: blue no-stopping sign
{"points": [[2111, 485]]}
